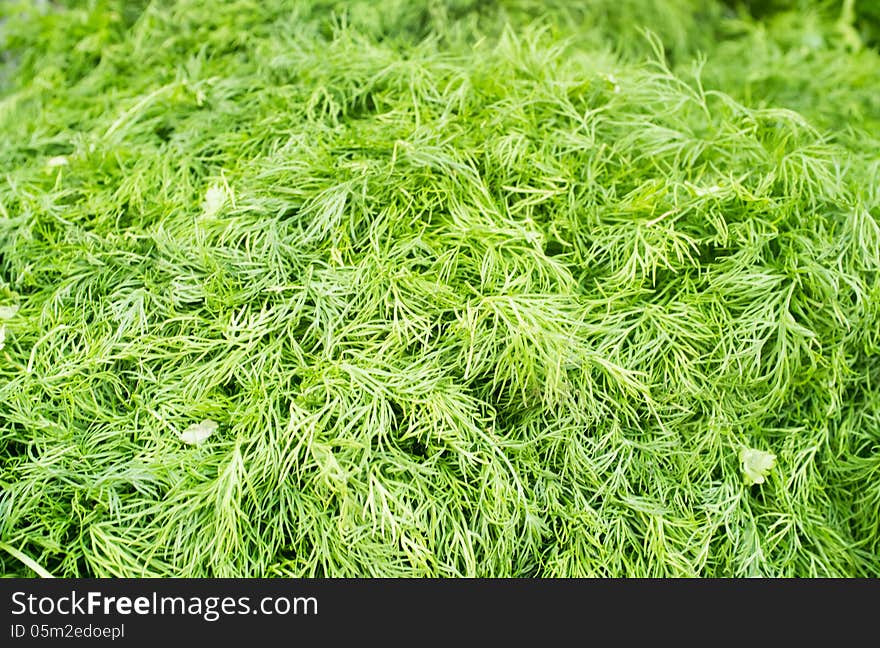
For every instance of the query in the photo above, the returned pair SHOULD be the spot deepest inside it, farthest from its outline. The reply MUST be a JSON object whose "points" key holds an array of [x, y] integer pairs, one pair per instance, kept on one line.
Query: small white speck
{"points": [[610, 78], [215, 199], [7, 312], [756, 465], [198, 432]]}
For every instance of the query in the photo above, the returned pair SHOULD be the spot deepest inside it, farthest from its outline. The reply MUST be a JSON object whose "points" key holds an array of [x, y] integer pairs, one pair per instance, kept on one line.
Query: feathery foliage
{"points": [[469, 288]]}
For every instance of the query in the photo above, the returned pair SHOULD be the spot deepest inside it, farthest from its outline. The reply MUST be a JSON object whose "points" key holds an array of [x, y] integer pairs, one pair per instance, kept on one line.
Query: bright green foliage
{"points": [[487, 288]]}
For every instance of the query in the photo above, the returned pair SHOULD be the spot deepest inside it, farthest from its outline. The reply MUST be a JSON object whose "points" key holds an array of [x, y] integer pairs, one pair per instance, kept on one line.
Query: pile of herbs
{"points": [[439, 288]]}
